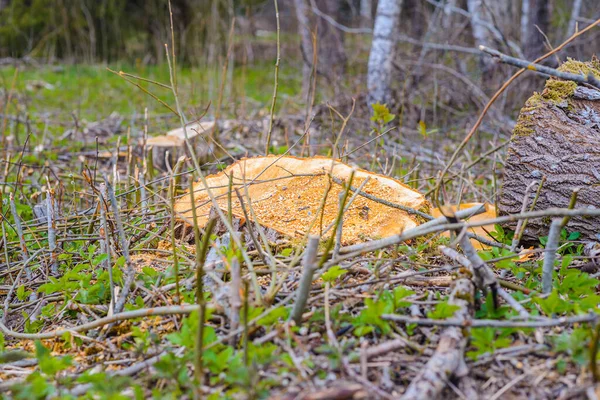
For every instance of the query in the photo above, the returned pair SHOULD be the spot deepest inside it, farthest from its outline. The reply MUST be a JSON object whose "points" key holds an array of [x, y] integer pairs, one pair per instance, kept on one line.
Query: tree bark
{"points": [[525, 6], [484, 30], [4, 4], [332, 55], [539, 20], [366, 10], [382, 54], [557, 136], [574, 15], [330, 40], [306, 45]]}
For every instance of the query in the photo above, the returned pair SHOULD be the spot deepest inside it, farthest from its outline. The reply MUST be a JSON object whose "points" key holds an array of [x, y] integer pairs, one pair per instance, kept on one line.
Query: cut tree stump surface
{"points": [[285, 194], [557, 136]]}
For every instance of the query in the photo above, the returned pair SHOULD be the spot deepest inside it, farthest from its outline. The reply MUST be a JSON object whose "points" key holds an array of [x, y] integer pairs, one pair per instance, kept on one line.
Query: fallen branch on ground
{"points": [[448, 359]]}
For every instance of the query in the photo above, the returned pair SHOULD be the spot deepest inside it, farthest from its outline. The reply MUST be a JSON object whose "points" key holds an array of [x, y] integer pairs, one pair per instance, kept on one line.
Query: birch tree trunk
{"points": [[574, 15], [448, 14], [379, 75], [4, 4], [306, 45], [480, 22], [539, 20], [525, 6], [366, 9]]}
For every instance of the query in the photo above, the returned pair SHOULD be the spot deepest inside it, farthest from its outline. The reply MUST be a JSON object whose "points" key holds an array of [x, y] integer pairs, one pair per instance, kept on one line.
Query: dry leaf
{"points": [[285, 194]]}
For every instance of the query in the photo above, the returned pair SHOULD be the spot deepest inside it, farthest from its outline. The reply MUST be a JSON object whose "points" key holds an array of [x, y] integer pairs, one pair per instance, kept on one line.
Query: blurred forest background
{"points": [[434, 41], [420, 57]]}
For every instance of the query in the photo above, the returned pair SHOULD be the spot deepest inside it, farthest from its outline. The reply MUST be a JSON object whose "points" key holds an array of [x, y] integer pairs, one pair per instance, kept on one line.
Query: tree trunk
{"points": [[332, 55], [539, 20], [417, 20], [574, 15], [483, 29], [330, 41], [382, 54], [4, 4], [525, 6], [557, 136], [448, 18], [366, 10], [306, 45]]}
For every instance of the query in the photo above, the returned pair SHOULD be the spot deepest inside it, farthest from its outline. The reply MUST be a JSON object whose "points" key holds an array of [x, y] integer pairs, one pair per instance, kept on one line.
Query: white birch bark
{"points": [[383, 47], [306, 43], [480, 22], [525, 7], [366, 7], [574, 15], [481, 33]]}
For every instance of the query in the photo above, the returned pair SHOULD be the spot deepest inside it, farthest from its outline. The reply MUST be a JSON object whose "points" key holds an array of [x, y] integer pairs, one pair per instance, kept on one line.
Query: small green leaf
{"points": [[443, 310], [279, 313], [553, 304], [400, 293], [22, 293], [381, 114], [99, 259], [574, 236], [333, 273], [286, 252]]}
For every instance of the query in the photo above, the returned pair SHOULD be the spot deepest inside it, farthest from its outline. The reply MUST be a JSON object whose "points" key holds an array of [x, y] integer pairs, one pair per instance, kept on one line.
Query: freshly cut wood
{"points": [[490, 212], [164, 141], [285, 194], [192, 130], [557, 136]]}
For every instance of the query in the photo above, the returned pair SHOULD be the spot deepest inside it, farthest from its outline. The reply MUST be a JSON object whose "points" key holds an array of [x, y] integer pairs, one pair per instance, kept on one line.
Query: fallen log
{"points": [[557, 136]]}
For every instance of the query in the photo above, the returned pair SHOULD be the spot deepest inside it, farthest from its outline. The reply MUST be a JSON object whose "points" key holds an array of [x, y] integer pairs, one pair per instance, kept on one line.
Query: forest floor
{"points": [[68, 130]]}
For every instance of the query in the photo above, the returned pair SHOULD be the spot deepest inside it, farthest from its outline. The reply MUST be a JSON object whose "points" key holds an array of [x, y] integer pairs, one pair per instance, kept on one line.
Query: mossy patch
{"points": [[523, 126], [581, 67], [556, 92]]}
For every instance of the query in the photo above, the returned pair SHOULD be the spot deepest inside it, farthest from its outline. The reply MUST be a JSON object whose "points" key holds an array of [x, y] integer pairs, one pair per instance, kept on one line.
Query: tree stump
{"points": [[166, 149], [557, 136]]}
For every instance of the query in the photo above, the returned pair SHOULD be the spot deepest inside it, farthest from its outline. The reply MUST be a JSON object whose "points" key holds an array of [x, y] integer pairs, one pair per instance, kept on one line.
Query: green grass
{"points": [[92, 92]]}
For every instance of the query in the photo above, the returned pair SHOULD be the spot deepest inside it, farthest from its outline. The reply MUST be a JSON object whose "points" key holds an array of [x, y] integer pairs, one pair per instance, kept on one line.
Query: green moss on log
{"points": [[581, 67], [556, 92]]}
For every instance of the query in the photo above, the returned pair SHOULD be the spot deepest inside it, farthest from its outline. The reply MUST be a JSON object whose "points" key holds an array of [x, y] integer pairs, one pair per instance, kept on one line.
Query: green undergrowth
{"points": [[237, 369], [92, 92], [574, 293]]}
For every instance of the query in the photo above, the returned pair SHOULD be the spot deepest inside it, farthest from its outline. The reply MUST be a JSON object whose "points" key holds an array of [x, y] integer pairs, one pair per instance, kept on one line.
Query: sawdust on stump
{"points": [[285, 194]]}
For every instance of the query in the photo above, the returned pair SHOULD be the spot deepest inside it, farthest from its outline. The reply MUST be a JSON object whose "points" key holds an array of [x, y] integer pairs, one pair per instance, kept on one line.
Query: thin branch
{"points": [[309, 267], [590, 79]]}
